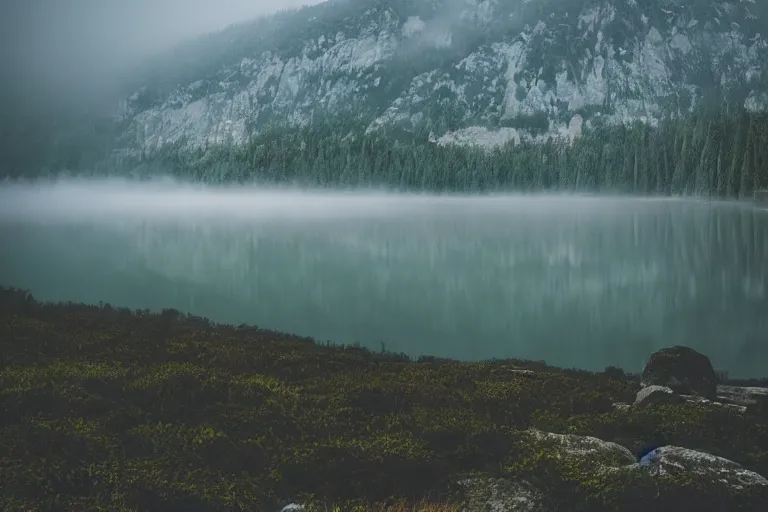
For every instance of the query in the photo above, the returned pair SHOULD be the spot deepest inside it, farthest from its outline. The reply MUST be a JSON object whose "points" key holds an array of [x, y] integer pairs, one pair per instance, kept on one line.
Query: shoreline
{"points": [[523, 363]]}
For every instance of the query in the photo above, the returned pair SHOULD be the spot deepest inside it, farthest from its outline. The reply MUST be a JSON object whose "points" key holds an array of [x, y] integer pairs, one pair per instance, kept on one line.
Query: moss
{"points": [[108, 409]]}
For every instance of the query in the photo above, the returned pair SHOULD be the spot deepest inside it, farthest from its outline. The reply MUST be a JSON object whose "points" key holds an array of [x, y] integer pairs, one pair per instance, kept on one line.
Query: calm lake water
{"points": [[577, 281]]}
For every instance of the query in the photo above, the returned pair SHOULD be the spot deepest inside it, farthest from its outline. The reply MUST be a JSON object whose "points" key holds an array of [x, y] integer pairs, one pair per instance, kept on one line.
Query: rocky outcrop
{"points": [[750, 400], [680, 374], [676, 375], [651, 395], [597, 451], [683, 370], [675, 460], [693, 399], [667, 470], [754, 400], [499, 71]]}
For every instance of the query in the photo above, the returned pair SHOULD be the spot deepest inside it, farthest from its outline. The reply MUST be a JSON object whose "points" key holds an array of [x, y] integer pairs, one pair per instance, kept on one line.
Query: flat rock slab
{"points": [[745, 396], [693, 399]]}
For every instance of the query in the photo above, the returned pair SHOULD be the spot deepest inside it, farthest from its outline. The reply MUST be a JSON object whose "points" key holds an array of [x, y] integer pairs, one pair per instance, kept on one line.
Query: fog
{"points": [[107, 199], [575, 280], [78, 50], [77, 53]]}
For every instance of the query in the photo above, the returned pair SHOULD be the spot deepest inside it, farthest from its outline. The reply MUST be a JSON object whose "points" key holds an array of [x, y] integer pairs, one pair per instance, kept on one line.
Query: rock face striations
{"points": [[465, 71]]}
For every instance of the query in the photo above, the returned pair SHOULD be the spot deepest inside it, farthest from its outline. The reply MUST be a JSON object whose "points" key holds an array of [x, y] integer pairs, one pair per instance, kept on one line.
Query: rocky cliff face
{"points": [[468, 71]]}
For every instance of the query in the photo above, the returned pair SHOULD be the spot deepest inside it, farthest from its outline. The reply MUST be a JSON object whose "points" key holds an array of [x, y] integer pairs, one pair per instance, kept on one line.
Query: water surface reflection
{"points": [[582, 282]]}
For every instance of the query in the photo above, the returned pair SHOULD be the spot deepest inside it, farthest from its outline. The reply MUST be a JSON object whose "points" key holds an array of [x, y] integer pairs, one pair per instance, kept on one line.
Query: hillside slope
{"points": [[476, 71], [107, 409]]}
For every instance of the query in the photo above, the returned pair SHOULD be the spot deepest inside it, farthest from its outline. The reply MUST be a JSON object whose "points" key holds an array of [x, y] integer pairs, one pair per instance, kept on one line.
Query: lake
{"points": [[581, 282]]}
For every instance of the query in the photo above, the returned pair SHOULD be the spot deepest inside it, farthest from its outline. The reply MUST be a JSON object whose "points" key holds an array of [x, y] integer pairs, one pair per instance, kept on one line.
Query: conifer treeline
{"points": [[720, 153]]}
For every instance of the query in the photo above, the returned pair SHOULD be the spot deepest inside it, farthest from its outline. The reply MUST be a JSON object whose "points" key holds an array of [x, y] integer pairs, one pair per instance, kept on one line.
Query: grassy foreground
{"points": [[109, 409]]}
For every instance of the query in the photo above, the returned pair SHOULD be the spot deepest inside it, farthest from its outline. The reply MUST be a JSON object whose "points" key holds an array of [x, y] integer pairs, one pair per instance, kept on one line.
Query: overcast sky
{"points": [[86, 45]]}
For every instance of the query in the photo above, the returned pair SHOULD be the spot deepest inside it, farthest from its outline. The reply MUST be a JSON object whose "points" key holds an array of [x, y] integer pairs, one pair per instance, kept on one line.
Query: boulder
{"points": [[592, 449], [737, 487], [609, 471], [683, 370], [652, 395], [675, 460]]}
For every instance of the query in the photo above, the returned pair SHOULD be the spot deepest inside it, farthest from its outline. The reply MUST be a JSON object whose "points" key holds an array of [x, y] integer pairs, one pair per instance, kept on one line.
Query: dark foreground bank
{"points": [[109, 409]]}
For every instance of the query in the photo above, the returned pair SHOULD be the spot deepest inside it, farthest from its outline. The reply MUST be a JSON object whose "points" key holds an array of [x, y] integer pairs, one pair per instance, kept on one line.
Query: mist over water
{"points": [[577, 281]]}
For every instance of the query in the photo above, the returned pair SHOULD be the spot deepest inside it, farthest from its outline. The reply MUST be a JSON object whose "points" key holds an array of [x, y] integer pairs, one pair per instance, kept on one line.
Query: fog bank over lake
{"points": [[162, 200], [577, 281]]}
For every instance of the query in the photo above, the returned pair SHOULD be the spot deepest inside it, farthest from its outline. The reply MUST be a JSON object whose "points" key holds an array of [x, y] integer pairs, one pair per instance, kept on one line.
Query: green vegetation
{"points": [[720, 153], [715, 153], [108, 409], [535, 124]]}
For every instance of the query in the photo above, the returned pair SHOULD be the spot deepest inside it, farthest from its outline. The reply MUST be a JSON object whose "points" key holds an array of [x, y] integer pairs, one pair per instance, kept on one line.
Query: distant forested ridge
{"points": [[357, 93], [720, 153]]}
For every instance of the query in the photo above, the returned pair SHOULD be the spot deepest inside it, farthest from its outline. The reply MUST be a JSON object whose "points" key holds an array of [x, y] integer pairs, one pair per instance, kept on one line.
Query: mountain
{"points": [[467, 71]]}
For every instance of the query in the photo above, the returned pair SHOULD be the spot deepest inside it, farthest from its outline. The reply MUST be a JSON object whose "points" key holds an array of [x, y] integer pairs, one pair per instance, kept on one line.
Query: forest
{"points": [[716, 153]]}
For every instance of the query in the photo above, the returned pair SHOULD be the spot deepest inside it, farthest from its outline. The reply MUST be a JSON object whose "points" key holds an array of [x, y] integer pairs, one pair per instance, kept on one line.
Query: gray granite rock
{"points": [[653, 395], [754, 400], [593, 449], [675, 460], [611, 460], [693, 399]]}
